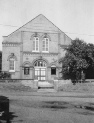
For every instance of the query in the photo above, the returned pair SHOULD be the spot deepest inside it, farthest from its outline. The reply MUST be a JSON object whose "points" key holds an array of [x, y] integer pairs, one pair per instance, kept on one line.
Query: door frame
{"points": [[40, 76]]}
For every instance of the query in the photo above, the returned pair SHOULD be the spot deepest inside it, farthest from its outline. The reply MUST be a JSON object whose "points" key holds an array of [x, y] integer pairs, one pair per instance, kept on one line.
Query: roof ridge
{"points": [[34, 19], [24, 24]]}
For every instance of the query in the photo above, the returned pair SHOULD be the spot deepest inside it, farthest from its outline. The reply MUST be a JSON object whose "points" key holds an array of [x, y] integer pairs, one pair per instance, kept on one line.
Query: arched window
{"points": [[26, 70], [11, 65], [40, 63], [36, 44], [12, 60], [45, 45], [26, 66]]}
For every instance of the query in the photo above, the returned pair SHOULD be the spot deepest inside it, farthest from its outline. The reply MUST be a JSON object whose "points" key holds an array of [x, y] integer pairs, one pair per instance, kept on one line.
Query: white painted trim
{"points": [[11, 70], [35, 51], [45, 45], [14, 67], [53, 66], [45, 51], [35, 44]]}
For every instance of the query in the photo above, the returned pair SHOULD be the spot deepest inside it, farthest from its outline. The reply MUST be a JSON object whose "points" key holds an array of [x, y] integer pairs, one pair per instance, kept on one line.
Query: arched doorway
{"points": [[40, 70]]}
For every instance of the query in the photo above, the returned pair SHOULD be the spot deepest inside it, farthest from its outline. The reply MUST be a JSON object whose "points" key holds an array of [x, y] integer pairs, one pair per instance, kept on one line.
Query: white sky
{"points": [[71, 16]]}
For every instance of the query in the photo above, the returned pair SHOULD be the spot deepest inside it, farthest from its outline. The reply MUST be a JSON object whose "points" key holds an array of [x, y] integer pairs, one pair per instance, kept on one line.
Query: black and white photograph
{"points": [[46, 61]]}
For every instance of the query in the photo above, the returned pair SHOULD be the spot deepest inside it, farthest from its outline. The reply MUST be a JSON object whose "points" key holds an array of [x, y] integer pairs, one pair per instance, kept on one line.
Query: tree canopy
{"points": [[0, 61], [78, 60]]}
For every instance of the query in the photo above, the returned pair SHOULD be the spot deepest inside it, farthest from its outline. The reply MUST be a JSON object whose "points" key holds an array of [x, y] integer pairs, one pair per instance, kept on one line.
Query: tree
{"points": [[90, 60], [0, 61], [78, 58], [3, 75]]}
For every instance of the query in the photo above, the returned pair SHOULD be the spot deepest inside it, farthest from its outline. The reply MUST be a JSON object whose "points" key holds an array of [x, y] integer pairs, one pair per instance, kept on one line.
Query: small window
{"points": [[53, 70], [26, 70], [12, 65]]}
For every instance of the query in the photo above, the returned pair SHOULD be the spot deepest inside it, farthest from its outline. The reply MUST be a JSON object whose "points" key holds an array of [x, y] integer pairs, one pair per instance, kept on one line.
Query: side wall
{"points": [[6, 52]]}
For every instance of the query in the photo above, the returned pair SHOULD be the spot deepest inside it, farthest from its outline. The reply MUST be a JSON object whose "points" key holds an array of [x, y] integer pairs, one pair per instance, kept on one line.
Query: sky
{"points": [[74, 17]]}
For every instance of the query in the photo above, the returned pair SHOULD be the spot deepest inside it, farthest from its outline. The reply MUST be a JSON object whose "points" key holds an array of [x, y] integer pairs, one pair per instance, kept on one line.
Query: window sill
{"points": [[35, 51], [11, 71], [45, 51]]}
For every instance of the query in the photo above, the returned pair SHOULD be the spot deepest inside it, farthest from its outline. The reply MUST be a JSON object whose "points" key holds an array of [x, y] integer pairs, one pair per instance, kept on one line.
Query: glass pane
{"points": [[43, 46], [33, 45], [36, 49], [38, 78], [36, 45], [43, 73], [38, 63], [46, 42], [38, 73], [44, 64], [26, 70], [11, 64], [42, 78], [53, 71], [46, 39], [43, 49], [46, 49], [41, 63]]}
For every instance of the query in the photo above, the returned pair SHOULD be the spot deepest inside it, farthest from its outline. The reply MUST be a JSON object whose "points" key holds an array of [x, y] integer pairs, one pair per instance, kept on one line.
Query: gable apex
{"points": [[39, 24]]}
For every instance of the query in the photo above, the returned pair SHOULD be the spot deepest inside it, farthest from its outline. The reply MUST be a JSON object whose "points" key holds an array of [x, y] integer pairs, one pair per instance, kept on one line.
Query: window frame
{"points": [[45, 45], [40, 63], [28, 73], [12, 70], [55, 70], [35, 42]]}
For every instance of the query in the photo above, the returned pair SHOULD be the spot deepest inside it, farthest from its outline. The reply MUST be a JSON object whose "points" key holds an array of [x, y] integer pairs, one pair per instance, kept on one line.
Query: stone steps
{"points": [[45, 84], [44, 90]]}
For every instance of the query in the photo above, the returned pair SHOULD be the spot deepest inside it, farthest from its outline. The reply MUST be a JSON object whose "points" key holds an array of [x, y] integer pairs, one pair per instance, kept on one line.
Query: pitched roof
{"points": [[39, 24]]}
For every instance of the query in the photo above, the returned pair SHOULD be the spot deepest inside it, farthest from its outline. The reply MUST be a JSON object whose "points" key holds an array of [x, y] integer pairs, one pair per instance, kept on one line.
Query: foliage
{"points": [[5, 75], [90, 60], [0, 61], [78, 59]]}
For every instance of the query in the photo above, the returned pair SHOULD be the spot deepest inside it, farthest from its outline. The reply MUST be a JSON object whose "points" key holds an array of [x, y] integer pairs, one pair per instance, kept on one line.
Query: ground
{"points": [[57, 107]]}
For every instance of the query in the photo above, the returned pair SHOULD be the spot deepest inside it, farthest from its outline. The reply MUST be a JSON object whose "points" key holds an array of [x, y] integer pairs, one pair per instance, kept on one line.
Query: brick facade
{"points": [[20, 43]]}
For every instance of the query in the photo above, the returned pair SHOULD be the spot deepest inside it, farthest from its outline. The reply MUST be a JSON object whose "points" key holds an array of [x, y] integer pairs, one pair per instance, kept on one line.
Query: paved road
{"points": [[60, 107], [68, 96]]}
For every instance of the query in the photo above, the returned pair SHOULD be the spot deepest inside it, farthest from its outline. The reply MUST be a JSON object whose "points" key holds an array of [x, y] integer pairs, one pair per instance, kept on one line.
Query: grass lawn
{"points": [[79, 87], [15, 87]]}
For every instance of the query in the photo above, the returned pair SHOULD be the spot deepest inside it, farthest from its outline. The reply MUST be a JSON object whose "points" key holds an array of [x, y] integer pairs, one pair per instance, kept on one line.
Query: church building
{"points": [[34, 50]]}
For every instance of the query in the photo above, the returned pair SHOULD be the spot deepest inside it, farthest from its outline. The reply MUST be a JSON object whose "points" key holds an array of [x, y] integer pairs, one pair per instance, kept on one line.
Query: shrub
{"points": [[5, 75]]}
